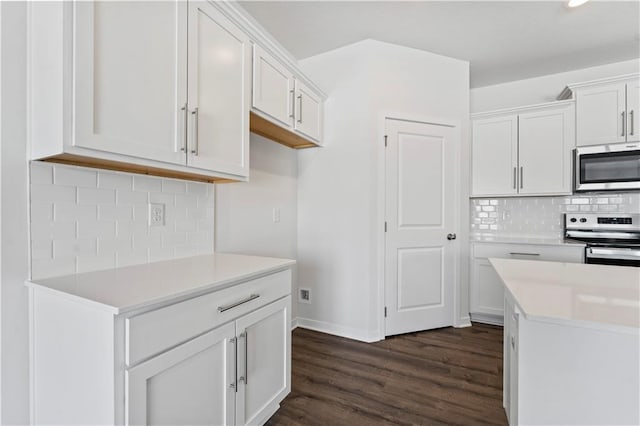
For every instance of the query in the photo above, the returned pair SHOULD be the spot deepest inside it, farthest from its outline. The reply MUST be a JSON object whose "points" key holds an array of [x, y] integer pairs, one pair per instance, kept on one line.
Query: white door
{"points": [[633, 111], [273, 88], [264, 361], [131, 78], [420, 199], [308, 112], [219, 92], [600, 114], [191, 384], [494, 154], [545, 143]]}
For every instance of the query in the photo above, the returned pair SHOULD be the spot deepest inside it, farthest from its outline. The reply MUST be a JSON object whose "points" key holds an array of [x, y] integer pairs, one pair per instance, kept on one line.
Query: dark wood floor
{"points": [[445, 376]]}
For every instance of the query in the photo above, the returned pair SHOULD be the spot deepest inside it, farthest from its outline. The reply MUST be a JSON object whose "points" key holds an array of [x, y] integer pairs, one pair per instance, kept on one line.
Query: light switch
{"points": [[276, 214]]}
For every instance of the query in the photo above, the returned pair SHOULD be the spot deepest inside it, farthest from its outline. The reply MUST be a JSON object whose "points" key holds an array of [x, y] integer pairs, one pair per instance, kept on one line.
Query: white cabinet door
{"points": [[190, 384], [308, 112], [633, 111], [600, 113], [545, 142], [130, 78], [219, 92], [264, 347], [487, 291], [273, 88], [513, 365], [495, 156]]}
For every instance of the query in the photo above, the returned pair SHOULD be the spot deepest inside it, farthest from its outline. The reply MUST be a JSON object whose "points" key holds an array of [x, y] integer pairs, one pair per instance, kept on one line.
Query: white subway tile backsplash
{"points": [[542, 216], [84, 219], [80, 246], [97, 228], [111, 180], [96, 196], [173, 186], [128, 197], [75, 176], [41, 173], [52, 194], [147, 183], [68, 212]]}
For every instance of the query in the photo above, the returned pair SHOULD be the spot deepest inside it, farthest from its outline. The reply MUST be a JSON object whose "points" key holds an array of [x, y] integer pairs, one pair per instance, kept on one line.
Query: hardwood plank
{"points": [[444, 376]]}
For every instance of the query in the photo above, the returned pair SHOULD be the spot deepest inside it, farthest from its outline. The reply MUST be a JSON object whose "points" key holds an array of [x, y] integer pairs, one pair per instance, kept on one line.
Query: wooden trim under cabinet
{"points": [[263, 127], [99, 163]]}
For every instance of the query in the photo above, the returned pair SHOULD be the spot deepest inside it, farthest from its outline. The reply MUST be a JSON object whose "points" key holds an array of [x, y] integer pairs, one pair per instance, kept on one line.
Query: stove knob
{"points": [[573, 220], [583, 220]]}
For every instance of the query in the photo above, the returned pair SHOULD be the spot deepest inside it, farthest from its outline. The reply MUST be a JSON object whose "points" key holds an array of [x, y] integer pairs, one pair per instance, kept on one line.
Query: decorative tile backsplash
{"points": [[542, 216], [84, 219]]}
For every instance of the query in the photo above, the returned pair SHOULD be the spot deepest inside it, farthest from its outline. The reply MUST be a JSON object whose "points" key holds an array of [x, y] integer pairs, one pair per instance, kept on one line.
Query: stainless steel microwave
{"points": [[614, 167]]}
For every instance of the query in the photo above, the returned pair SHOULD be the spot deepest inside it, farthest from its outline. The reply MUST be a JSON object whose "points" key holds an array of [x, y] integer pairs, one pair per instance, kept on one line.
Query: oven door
{"points": [[622, 256], [608, 167]]}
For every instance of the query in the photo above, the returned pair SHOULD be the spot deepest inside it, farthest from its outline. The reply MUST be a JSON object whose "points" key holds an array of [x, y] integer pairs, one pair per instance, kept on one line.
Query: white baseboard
{"points": [[488, 319], [337, 330], [462, 322], [294, 323]]}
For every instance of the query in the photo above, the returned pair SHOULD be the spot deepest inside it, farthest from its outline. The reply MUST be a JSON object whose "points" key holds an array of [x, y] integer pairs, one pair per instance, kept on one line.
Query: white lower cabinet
{"points": [[486, 288], [510, 361], [220, 358]]}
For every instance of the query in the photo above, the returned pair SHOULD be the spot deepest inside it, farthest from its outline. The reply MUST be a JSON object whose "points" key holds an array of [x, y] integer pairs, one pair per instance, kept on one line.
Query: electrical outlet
{"points": [[276, 214], [304, 295], [156, 214]]}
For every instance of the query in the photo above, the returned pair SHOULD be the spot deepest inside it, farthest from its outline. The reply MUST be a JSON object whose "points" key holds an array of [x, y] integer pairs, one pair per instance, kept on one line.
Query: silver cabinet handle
{"points": [[300, 110], [246, 357], [515, 177], [243, 378], [623, 126], [238, 303], [521, 180], [451, 236], [234, 341], [185, 119], [513, 343], [515, 253], [631, 123], [293, 103], [194, 149]]}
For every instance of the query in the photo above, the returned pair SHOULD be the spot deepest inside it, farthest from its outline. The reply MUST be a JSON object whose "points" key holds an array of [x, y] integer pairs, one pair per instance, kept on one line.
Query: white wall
{"points": [[340, 210], [14, 388], [244, 211], [542, 89]]}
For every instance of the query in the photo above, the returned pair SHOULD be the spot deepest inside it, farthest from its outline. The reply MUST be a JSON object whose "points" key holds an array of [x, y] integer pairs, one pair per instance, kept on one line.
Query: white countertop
{"points": [[597, 295], [510, 239], [124, 289]]}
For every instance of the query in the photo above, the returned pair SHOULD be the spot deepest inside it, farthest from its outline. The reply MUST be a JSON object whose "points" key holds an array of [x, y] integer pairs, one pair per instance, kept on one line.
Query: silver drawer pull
{"points": [[515, 253], [238, 303]]}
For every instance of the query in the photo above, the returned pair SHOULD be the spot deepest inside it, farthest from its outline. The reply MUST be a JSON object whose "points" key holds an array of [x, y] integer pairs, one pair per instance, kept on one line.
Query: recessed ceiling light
{"points": [[576, 3]]}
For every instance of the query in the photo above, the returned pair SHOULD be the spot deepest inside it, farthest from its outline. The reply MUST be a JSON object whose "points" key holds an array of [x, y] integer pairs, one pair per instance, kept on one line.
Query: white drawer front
{"points": [[571, 254], [155, 331]]}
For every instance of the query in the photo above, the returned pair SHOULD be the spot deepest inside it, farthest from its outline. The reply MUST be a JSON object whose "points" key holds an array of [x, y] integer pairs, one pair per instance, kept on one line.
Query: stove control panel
{"points": [[596, 221]]}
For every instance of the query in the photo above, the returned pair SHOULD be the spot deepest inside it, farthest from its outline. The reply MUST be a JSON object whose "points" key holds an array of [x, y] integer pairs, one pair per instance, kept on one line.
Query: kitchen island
{"points": [[571, 342]]}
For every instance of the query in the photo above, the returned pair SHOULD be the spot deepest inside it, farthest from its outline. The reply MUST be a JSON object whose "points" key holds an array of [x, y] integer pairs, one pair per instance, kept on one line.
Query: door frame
{"points": [[461, 187]]}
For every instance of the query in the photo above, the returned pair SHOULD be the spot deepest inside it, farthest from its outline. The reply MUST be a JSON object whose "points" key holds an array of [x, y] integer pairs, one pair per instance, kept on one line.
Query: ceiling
{"points": [[502, 40]]}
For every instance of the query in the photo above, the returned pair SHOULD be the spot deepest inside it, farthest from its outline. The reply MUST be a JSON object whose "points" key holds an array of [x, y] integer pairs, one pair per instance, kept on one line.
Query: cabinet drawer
{"points": [[152, 332], [572, 254]]}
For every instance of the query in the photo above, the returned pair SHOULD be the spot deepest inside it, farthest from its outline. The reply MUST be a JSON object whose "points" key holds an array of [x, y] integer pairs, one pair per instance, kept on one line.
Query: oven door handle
{"points": [[613, 253], [620, 235]]}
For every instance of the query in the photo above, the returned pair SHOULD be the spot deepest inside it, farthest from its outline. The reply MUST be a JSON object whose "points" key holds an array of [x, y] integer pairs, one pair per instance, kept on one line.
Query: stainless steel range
{"points": [[612, 239]]}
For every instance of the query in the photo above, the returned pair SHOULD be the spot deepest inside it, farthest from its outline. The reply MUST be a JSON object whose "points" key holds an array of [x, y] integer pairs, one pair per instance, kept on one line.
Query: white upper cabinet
{"points": [[495, 155], [273, 87], [152, 87], [308, 115], [130, 78], [219, 95], [606, 110], [545, 141], [525, 151], [280, 98]]}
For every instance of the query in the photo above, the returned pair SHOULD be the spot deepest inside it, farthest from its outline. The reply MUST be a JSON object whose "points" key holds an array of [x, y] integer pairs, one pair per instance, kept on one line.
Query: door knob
{"points": [[451, 236]]}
